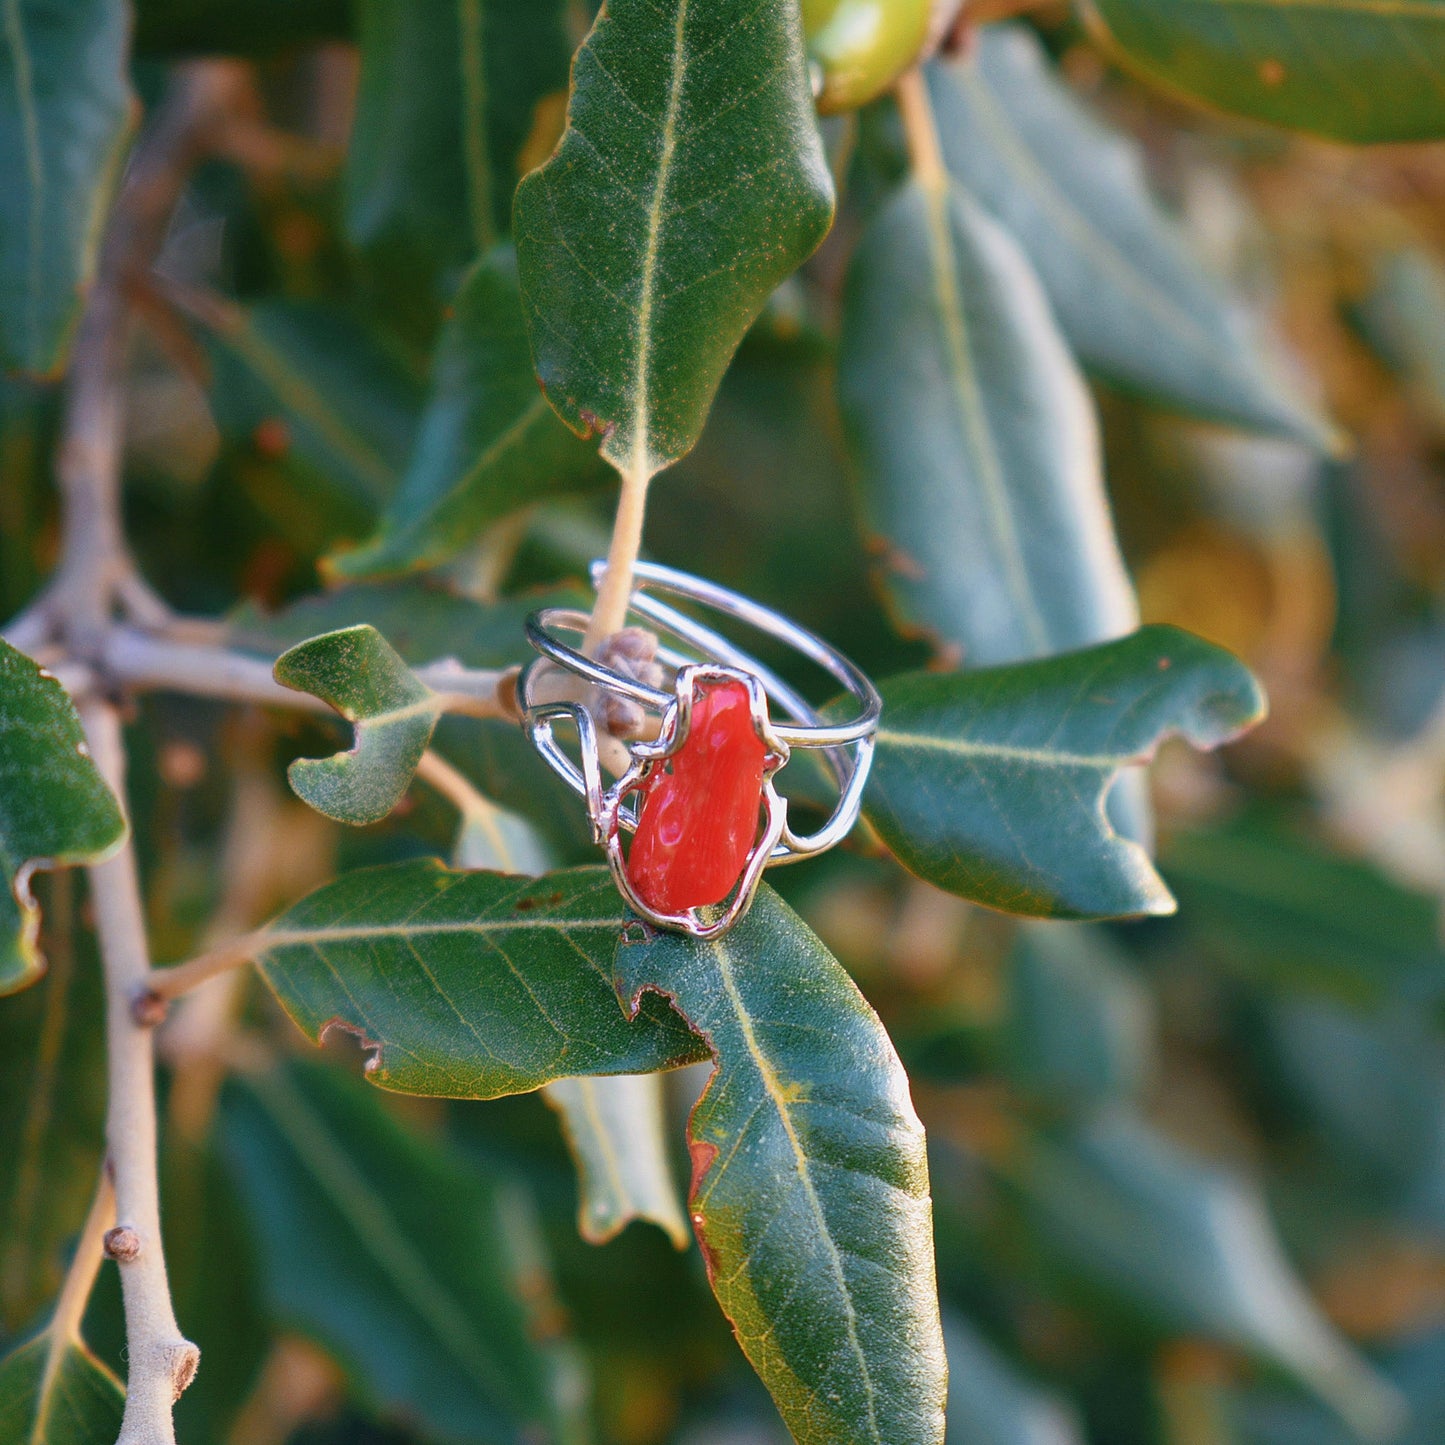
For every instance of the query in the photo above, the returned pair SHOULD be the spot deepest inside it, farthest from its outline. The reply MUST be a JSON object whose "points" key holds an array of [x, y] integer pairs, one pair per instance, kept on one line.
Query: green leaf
{"points": [[1189, 1248], [314, 386], [445, 103], [990, 1403], [65, 107], [52, 1125], [469, 985], [810, 1180], [614, 1130], [1267, 900], [393, 1254], [1080, 1026], [55, 809], [1135, 303], [975, 439], [992, 784], [1403, 318], [359, 673], [1352, 70], [488, 443], [53, 1391], [689, 183]]}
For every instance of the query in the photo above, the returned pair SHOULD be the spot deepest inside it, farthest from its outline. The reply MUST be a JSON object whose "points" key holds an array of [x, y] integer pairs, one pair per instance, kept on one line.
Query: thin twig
{"points": [[453, 785], [161, 984], [132, 658], [162, 1362], [609, 612]]}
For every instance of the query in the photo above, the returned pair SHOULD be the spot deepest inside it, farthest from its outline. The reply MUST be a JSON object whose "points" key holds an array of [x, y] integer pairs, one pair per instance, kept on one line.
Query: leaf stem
{"points": [[84, 1266], [162, 1362], [920, 131], [609, 612], [162, 984]]}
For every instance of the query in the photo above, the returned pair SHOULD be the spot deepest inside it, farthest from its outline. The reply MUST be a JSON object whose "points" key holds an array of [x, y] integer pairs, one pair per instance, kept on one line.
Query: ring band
{"points": [[845, 748]]}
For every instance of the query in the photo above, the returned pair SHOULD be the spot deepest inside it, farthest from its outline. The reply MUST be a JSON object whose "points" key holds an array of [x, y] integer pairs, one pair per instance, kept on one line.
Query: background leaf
{"points": [[810, 1180], [488, 444], [1191, 1248], [391, 1253], [52, 1122], [78, 1402], [446, 100], [64, 115], [975, 437], [689, 136], [990, 1403], [394, 713], [1365, 70], [991, 784], [55, 808], [469, 985], [1135, 302]]}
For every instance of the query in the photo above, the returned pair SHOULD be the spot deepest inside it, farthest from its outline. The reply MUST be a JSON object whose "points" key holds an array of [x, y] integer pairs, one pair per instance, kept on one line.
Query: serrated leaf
{"points": [[614, 1130], [55, 809], [990, 1403], [359, 673], [1188, 1248], [65, 106], [53, 1391], [392, 1253], [810, 1179], [52, 1125], [488, 442], [424, 622], [1352, 70], [445, 103], [690, 181], [1135, 303], [469, 985], [975, 438], [992, 784]]}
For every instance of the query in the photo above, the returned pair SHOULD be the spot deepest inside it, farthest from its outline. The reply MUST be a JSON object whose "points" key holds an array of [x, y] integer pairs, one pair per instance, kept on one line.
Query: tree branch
{"points": [[162, 1362]]}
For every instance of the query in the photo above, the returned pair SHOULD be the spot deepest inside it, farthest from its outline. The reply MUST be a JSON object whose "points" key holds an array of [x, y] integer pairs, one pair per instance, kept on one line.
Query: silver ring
{"points": [[695, 659]]}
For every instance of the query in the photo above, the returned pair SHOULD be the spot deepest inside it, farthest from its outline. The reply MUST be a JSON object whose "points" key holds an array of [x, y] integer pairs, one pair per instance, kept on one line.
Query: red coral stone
{"points": [[700, 819]]}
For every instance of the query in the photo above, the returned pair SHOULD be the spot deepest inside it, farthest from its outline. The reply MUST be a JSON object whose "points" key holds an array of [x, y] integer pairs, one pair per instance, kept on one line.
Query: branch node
{"points": [[185, 1360], [122, 1244], [149, 1009]]}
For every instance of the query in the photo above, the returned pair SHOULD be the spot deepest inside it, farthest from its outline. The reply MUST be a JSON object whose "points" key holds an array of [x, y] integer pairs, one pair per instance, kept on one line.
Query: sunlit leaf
{"points": [[1353, 70], [469, 985], [975, 439], [65, 106], [55, 808], [488, 442], [1135, 303], [358, 672], [810, 1180], [393, 1254], [992, 784], [689, 182]]}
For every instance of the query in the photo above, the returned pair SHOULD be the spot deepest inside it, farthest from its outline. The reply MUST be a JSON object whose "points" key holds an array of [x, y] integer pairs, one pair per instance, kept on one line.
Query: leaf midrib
{"points": [[967, 748], [773, 1088], [293, 937]]}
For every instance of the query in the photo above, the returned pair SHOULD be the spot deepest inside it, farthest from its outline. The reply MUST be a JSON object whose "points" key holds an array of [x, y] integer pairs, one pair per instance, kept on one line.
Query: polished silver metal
{"points": [[845, 747]]}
